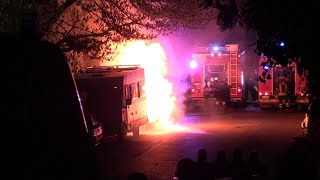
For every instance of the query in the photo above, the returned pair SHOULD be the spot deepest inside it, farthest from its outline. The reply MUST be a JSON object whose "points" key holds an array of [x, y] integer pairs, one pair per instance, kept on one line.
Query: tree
{"points": [[286, 30], [92, 28]]}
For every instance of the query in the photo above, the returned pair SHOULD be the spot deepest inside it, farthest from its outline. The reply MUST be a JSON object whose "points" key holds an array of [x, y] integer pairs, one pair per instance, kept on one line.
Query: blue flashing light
{"points": [[266, 67], [216, 48], [282, 44]]}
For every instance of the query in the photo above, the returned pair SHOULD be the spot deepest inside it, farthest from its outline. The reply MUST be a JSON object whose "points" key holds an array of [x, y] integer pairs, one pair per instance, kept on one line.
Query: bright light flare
{"points": [[174, 128], [158, 89], [242, 78], [193, 64]]}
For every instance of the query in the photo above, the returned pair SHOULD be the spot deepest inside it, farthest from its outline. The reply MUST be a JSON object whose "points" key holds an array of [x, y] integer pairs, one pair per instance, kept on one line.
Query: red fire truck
{"points": [[214, 67], [284, 88]]}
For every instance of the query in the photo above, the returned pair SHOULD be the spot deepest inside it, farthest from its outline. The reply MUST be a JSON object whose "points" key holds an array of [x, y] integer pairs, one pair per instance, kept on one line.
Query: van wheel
{"points": [[136, 131], [120, 137], [122, 133]]}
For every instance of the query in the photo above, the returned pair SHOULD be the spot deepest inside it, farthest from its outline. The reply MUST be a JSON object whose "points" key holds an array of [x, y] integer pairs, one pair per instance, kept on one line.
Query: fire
{"points": [[159, 92]]}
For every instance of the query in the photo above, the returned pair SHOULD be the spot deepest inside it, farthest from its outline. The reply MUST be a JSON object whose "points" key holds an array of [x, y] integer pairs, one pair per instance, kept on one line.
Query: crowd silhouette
{"points": [[221, 169]]}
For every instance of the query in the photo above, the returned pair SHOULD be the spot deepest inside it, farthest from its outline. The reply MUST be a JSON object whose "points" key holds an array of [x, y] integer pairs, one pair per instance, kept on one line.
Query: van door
{"points": [[125, 106]]}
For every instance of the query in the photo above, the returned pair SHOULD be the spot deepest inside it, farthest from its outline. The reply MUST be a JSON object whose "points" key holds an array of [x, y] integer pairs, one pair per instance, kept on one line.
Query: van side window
{"points": [[134, 91], [142, 88], [128, 91]]}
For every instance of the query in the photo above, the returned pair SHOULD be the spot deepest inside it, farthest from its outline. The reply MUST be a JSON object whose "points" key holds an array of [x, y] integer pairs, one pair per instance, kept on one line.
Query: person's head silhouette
{"points": [[137, 176], [202, 155], [221, 156], [185, 169]]}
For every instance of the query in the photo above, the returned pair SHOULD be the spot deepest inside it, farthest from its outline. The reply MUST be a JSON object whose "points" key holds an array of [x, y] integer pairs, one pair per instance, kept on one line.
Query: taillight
{"points": [[265, 93], [192, 90]]}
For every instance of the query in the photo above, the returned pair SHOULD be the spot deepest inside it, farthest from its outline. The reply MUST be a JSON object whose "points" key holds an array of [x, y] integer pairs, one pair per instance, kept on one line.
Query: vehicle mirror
{"points": [[128, 101]]}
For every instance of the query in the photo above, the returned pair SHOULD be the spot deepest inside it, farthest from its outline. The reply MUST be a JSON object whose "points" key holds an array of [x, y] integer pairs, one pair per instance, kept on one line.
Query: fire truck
{"points": [[216, 68], [283, 88]]}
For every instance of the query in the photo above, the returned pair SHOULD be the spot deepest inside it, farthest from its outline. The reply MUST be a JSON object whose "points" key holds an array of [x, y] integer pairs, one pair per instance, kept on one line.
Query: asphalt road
{"points": [[156, 153]]}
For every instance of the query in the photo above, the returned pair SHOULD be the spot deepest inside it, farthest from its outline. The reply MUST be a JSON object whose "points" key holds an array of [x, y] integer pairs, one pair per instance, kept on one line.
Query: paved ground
{"points": [[156, 153]]}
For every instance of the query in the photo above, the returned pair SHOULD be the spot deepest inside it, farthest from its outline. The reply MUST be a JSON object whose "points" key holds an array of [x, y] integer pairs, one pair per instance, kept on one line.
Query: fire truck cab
{"points": [[215, 72], [285, 86]]}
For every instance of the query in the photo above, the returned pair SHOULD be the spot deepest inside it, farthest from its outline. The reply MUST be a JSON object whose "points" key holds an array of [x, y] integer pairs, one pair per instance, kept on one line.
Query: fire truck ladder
{"points": [[233, 81]]}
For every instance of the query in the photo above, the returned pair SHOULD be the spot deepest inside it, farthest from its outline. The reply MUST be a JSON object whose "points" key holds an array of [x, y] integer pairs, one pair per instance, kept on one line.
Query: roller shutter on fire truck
{"points": [[285, 86], [217, 72]]}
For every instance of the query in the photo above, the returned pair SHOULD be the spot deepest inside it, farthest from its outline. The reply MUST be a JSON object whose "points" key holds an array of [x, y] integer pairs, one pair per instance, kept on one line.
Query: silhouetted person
{"points": [[204, 167], [313, 127], [298, 165], [186, 170], [137, 176], [202, 156], [222, 166], [283, 94], [239, 169], [257, 168]]}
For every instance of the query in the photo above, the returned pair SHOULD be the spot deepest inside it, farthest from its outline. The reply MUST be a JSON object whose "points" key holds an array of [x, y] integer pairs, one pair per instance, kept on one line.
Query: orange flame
{"points": [[159, 92]]}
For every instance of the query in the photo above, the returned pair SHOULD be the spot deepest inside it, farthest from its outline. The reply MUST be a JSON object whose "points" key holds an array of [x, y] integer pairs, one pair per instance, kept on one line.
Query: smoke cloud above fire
{"points": [[179, 46]]}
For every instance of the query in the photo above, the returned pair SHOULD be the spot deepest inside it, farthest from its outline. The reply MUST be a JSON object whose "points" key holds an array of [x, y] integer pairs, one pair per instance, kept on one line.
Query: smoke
{"points": [[179, 46]]}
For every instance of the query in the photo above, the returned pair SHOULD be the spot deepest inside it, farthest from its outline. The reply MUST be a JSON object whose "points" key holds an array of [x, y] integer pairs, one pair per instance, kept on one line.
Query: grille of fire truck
{"points": [[233, 81]]}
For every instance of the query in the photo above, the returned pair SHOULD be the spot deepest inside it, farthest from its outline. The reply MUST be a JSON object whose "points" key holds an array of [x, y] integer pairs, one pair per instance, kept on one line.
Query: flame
{"points": [[159, 92]]}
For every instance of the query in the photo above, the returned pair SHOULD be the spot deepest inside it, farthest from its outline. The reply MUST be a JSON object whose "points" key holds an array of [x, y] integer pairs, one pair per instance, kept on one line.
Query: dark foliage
{"points": [[287, 31]]}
